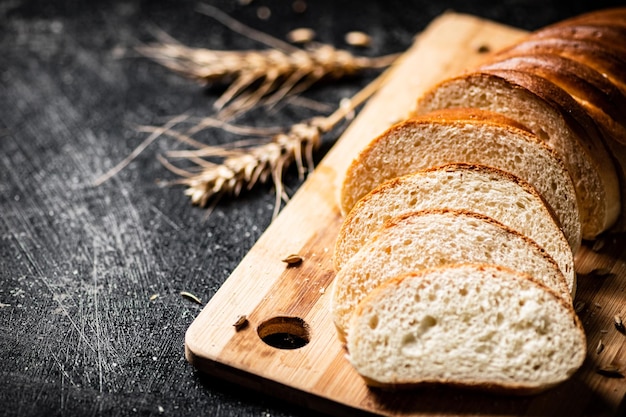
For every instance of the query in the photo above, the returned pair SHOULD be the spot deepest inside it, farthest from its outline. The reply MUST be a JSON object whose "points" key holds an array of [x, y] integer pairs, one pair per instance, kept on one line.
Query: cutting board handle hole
{"points": [[284, 332]]}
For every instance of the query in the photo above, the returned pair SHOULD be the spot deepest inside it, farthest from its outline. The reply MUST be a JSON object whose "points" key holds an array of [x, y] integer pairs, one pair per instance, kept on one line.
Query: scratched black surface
{"points": [[79, 334]]}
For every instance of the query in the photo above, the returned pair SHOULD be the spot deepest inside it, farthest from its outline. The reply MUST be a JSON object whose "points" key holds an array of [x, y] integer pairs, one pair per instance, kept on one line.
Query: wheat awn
{"points": [[256, 76]]}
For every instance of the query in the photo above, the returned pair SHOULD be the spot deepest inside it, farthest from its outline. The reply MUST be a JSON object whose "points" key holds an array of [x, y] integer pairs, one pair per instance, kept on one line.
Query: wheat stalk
{"points": [[266, 75], [276, 73], [244, 167], [245, 164]]}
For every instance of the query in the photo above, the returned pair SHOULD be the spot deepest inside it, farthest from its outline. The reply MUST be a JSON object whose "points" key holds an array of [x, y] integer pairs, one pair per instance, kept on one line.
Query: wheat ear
{"points": [[256, 76], [245, 166]]}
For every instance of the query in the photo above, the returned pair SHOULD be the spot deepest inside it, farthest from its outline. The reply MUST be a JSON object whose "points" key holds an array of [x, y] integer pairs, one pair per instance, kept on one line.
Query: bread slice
{"points": [[471, 136], [555, 117], [432, 238], [475, 326], [476, 188]]}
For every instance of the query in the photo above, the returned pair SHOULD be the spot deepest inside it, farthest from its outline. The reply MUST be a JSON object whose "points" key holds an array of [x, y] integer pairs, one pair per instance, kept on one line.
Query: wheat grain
{"points": [[241, 323], [293, 259], [356, 38], [281, 71], [301, 35], [242, 167], [274, 73], [256, 76]]}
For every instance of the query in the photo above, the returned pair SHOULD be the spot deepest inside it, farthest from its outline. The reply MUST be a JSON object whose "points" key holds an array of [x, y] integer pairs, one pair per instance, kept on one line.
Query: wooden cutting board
{"points": [[291, 304]]}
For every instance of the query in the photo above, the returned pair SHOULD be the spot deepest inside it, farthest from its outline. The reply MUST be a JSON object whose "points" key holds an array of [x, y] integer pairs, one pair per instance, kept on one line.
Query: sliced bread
{"points": [[555, 117], [432, 238], [593, 91], [604, 102], [476, 326], [476, 188], [469, 136]]}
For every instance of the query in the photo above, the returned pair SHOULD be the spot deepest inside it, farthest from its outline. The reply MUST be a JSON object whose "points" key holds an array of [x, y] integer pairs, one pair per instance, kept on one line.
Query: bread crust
{"points": [[465, 114], [607, 16], [610, 36], [574, 115], [606, 61], [590, 141]]}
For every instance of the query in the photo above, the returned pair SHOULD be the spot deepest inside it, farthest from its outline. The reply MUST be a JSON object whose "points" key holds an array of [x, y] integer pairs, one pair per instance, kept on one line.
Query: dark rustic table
{"points": [[92, 321]]}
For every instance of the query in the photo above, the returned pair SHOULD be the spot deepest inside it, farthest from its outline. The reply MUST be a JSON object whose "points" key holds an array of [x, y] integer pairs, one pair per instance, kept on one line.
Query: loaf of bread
{"points": [[476, 188], [432, 238], [602, 100], [455, 260], [475, 326]]}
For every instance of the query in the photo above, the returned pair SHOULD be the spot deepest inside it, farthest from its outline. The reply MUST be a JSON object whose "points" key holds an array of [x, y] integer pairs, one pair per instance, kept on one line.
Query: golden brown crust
{"points": [[609, 36], [585, 128], [604, 60], [587, 156], [471, 115], [609, 16]]}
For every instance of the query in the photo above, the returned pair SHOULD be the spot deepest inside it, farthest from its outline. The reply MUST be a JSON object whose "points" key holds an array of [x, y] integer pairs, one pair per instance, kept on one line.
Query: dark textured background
{"points": [[78, 264]]}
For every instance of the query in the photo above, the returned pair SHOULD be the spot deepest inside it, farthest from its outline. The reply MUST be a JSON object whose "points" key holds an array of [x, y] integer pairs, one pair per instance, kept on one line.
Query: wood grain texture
{"points": [[318, 374]]}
